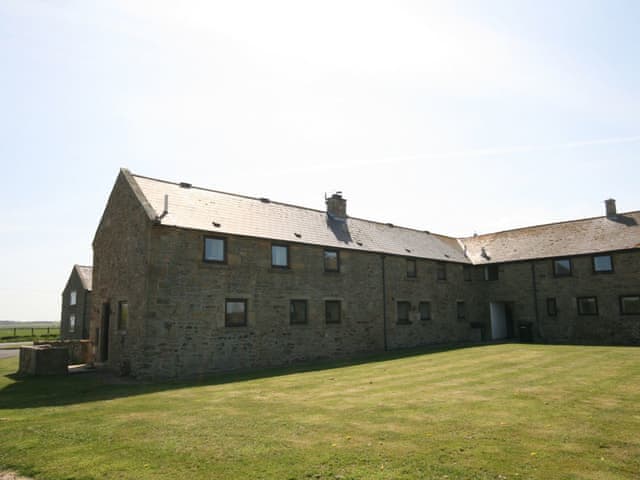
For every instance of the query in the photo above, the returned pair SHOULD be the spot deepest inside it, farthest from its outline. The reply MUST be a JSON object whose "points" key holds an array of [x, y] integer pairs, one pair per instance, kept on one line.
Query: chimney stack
{"points": [[610, 205], [337, 206]]}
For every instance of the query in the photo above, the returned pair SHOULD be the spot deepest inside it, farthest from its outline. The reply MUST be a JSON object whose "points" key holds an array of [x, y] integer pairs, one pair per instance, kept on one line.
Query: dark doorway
{"points": [[104, 332]]}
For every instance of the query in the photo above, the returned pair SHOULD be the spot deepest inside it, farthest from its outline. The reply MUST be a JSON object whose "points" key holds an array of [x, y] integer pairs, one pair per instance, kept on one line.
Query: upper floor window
{"points": [[425, 310], [331, 261], [411, 268], [73, 297], [491, 272], [587, 305], [298, 312], [404, 308], [461, 310], [235, 312], [332, 311], [466, 273], [562, 267], [602, 264], [215, 249], [630, 305], [123, 315], [280, 256], [441, 271], [72, 323], [552, 307]]}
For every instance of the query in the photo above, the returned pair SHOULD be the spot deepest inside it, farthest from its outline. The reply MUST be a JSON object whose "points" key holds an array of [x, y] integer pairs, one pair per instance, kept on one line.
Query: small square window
{"points": [[123, 315], [602, 264], [491, 272], [411, 268], [562, 267], [72, 323], [630, 305], [552, 307], [466, 273], [73, 297], [280, 256], [332, 311], [461, 310], [235, 312], [587, 305], [404, 308], [441, 271], [331, 261], [298, 312], [425, 310], [215, 249]]}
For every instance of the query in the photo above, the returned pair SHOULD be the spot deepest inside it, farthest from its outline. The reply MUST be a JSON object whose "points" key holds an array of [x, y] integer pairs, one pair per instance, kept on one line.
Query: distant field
{"points": [[21, 332], [496, 412]]}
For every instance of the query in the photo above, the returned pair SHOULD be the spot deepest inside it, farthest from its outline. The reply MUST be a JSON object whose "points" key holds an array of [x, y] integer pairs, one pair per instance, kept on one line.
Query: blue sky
{"points": [[449, 116]]}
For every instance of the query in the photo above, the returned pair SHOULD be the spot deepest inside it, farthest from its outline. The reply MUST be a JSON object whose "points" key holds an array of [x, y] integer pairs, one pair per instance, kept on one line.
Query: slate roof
{"points": [[198, 208], [225, 213], [577, 237], [86, 276]]}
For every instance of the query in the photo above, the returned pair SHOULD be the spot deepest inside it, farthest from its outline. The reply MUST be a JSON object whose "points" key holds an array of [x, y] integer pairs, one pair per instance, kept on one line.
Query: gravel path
{"points": [[12, 476]]}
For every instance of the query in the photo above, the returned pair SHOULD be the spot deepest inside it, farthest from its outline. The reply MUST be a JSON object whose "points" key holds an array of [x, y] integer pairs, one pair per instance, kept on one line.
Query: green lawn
{"points": [[491, 412], [18, 334]]}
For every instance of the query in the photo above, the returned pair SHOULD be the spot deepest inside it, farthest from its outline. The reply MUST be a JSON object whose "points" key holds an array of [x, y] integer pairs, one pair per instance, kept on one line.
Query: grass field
{"points": [[491, 412], [17, 334]]}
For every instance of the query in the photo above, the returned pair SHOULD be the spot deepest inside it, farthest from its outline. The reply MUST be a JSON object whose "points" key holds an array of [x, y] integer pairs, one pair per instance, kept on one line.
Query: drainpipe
{"points": [[535, 297], [384, 305]]}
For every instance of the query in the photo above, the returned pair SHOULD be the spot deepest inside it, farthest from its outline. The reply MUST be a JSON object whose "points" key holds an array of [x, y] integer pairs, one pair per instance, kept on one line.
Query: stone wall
{"points": [[120, 269], [81, 309]]}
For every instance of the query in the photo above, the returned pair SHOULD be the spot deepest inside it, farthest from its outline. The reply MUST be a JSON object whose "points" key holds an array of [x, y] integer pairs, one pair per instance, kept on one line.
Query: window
{"points": [[331, 261], [562, 267], [215, 249], [587, 305], [123, 315], [552, 307], [73, 297], [298, 312], [72, 323], [466, 273], [235, 312], [441, 271], [411, 268], [630, 305], [602, 264], [280, 256], [425, 310], [491, 272], [403, 312], [332, 311], [461, 310]]}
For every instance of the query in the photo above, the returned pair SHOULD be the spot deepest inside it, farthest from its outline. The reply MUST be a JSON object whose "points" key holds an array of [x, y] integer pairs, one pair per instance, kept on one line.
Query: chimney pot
{"points": [[337, 206], [610, 207]]}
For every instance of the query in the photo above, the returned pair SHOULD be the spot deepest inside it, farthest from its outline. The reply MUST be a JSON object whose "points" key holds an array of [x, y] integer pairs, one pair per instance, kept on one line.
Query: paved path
{"points": [[10, 352]]}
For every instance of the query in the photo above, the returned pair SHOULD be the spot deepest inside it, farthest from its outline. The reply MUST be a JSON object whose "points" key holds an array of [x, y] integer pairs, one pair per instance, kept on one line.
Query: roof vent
{"points": [[299, 235], [610, 207], [408, 250], [359, 243], [185, 185], [484, 254], [216, 224], [390, 224], [265, 200]]}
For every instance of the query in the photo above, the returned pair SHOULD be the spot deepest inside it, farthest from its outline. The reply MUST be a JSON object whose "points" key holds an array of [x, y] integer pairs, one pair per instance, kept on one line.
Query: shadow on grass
{"points": [[100, 385]]}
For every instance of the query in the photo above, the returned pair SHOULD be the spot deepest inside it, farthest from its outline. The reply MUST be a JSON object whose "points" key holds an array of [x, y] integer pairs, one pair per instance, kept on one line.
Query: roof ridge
{"points": [[562, 222], [259, 199]]}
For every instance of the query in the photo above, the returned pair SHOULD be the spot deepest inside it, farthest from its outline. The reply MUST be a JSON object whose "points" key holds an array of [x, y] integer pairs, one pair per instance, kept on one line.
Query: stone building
{"points": [[76, 304], [189, 280]]}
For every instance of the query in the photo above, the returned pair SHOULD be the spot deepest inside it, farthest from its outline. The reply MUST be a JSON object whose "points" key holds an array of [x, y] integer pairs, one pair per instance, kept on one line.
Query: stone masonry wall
{"points": [[81, 309], [120, 274]]}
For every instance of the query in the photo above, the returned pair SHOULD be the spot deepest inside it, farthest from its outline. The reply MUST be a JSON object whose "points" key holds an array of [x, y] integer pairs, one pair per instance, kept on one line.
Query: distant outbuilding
{"points": [[76, 304]]}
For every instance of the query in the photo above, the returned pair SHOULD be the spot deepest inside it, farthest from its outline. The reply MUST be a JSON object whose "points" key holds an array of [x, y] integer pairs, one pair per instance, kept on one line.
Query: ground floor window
{"points": [[298, 312], [235, 312], [587, 305], [461, 310], [123, 315], [425, 310], [72, 323], [630, 305], [332, 311], [403, 309], [552, 307]]}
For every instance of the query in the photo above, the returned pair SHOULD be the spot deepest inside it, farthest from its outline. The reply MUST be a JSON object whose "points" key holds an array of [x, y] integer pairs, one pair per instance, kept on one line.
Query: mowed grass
{"points": [[490, 412], [16, 334]]}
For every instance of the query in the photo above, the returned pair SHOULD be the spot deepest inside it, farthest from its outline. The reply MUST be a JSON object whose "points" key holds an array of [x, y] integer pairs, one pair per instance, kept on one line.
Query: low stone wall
{"points": [[43, 360], [79, 350]]}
